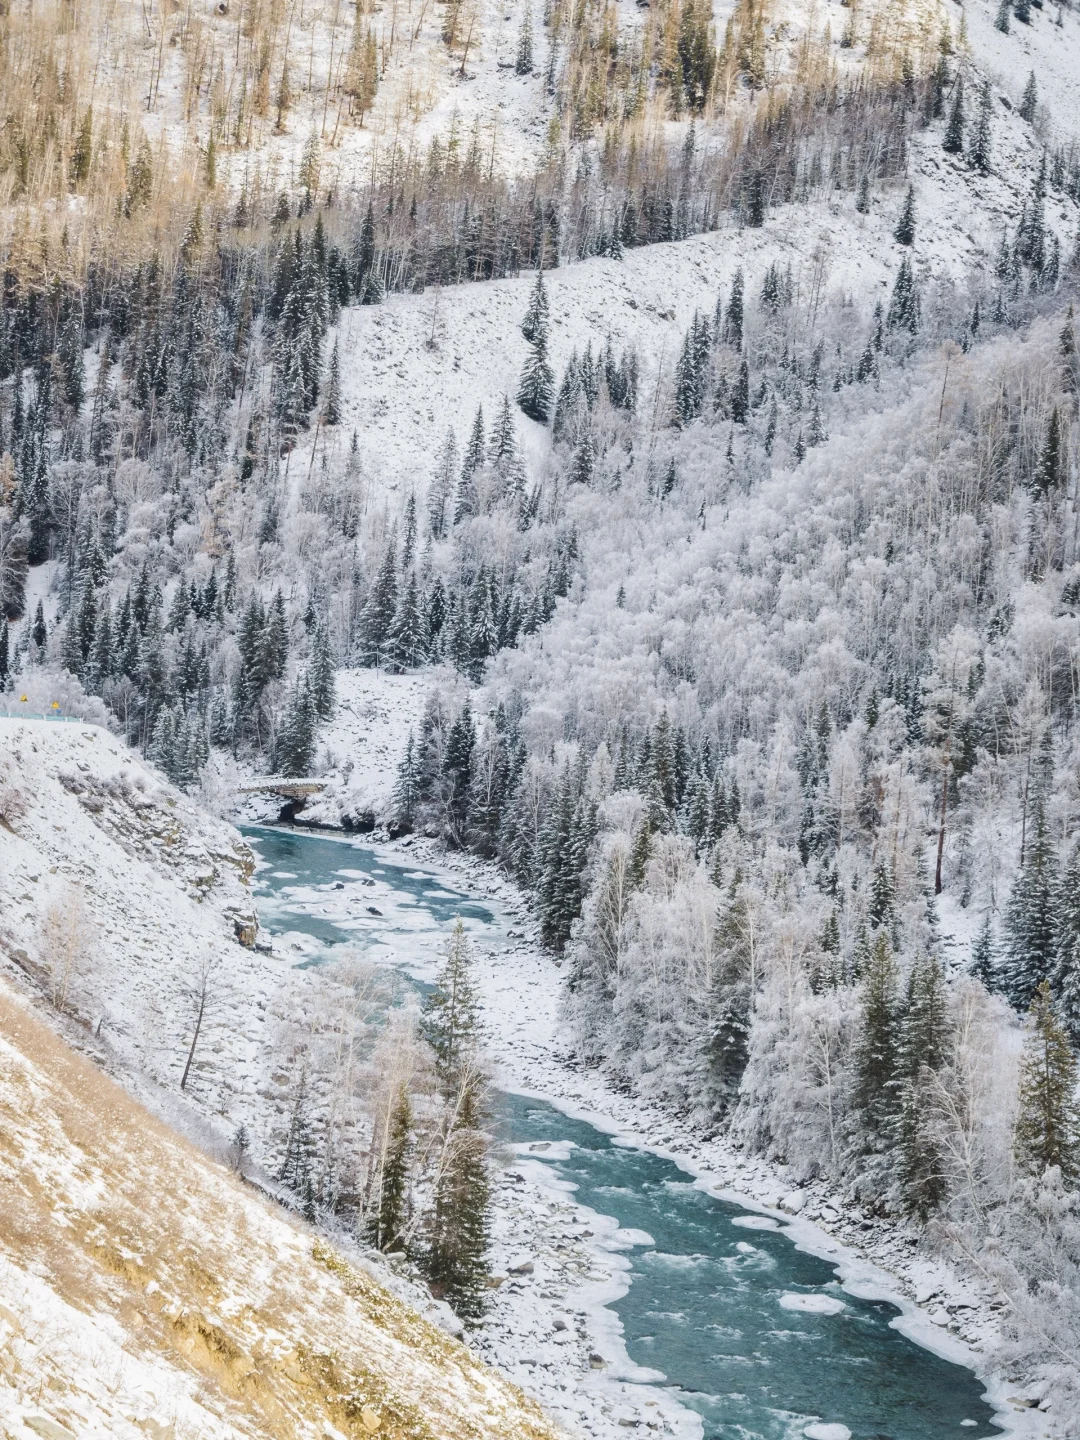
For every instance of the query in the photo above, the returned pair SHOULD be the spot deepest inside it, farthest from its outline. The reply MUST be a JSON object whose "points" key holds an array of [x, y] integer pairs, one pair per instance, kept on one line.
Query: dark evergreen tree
{"points": [[732, 331], [953, 141], [451, 1015], [388, 1220], [536, 316], [979, 148], [1051, 472], [408, 632], [904, 234], [536, 391], [1032, 918], [925, 1044], [1047, 1122], [321, 673], [408, 787], [983, 958], [523, 62], [1065, 977], [294, 744], [378, 617], [904, 307], [332, 407], [458, 1230], [876, 1061]]}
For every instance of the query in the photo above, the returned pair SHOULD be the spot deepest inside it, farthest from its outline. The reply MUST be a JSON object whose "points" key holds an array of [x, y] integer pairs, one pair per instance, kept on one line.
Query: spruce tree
{"points": [[407, 788], [294, 746], [925, 1045], [389, 1218], [1065, 977], [1047, 1122], [876, 1061], [732, 330], [1030, 100], [39, 632], [983, 960], [536, 390], [407, 632], [321, 673], [459, 1225], [1001, 21], [332, 408], [979, 149], [904, 234], [953, 141], [1051, 470], [1031, 918], [523, 62], [442, 484], [451, 1015], [536, 316], [378, 617], [904, 307]]}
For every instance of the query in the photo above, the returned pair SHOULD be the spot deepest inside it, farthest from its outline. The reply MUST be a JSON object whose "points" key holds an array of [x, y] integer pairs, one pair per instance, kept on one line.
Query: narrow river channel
{"points": [[754, 1335]]}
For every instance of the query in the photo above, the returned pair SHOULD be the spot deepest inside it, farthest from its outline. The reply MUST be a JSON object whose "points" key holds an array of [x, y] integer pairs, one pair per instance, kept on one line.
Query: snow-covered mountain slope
{"points": [[148, 1291], [118, 891]]}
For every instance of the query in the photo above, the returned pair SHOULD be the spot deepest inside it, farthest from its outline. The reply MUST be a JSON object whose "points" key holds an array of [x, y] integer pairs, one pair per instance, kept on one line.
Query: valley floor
{"points": [[577, 1274]]}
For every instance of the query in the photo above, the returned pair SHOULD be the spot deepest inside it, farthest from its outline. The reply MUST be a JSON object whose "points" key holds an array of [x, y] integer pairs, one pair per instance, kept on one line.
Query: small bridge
{"points": [[285, 786]]}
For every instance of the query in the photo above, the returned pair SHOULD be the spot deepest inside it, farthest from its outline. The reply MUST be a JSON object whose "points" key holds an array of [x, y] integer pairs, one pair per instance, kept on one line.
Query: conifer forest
{"points": [[680, 402]]}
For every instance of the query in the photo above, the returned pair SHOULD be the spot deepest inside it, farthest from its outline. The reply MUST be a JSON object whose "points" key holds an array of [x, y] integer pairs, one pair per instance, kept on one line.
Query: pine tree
{"points": [[1031, 918], [523, 62], [84, 148], [442, 484], [408, 786], [5, 655], [862, 194], [536, 316], [983, 959], [740, 394], [979, 149], [451, 1016], [1051, 472], [1030, 100], [39, 632], [294, 745], [459, 1224], [1065, 977], [953, 141], [754, 204], [332, 408], [321, 673], [732, 331], [904, 307], [378, 617], [387, 1224], [1001, 21], [904, 234], [536, 390], [1047, 1122], [407, 632], [1068, 351], [876, 1061]]}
